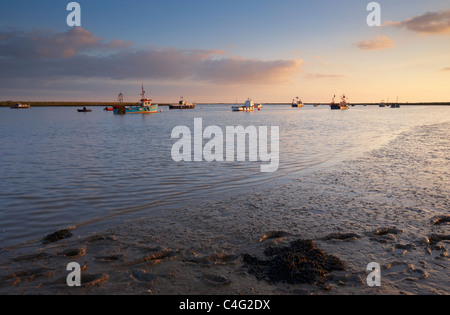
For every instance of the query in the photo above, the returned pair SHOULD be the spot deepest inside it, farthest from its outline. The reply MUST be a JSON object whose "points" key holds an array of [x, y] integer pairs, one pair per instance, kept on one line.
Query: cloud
{"points": [[78, 53], [45, 44], [426, 24], [379, 43], [446, 69], [118, 43], [323, 76], [248, 70]]}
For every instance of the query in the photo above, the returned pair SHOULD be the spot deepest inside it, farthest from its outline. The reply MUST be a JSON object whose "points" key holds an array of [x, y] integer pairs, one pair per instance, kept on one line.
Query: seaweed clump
{"points": [[299, 262], [57, 236]]}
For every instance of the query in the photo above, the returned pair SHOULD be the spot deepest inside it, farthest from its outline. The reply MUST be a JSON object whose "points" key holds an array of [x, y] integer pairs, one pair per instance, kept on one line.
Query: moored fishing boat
{"points": [[333, 104], [343, 105], [182, 104], [297, 103], [249, 106], [146, 107], [20, 106], [395, 105]]}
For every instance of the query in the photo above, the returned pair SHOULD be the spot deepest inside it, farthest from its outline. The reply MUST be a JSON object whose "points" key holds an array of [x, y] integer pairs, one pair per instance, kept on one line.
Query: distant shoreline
{"points": [[66, 104], [107, 104]]}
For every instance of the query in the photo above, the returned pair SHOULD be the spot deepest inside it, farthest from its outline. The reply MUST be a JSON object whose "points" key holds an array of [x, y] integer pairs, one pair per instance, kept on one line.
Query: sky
{"points": [[212, 51]]}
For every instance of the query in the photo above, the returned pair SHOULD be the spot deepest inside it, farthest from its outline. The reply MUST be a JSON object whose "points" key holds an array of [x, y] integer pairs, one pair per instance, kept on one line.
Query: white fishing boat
{"points": [[182, 104], [249, 106]]}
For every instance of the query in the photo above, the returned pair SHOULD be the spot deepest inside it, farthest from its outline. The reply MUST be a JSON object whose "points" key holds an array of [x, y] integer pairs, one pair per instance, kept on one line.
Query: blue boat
{"points": [[333, 104], [146, 107], [395, 105]]}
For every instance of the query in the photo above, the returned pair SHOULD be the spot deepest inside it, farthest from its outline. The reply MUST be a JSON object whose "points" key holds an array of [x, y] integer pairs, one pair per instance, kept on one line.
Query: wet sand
{"points": [[390, 206]]}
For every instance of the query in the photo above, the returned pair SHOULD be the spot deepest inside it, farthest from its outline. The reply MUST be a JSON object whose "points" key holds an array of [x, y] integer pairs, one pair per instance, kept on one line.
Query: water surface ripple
{"points": [[61, 168]]}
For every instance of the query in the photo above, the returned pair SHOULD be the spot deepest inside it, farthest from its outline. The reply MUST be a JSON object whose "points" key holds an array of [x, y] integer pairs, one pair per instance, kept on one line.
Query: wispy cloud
{"points": [[241, 70], [426, 24], [446, 69], [323, 76], [321, 61], [78, 53], [379, 43]]}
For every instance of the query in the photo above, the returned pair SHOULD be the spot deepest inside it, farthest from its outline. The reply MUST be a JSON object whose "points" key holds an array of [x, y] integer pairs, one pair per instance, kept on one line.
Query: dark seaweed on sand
{"points": [[57, 236], [300, 262]]}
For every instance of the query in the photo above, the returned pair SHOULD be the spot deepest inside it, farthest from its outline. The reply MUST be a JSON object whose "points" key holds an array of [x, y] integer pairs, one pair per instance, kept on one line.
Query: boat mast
{"points": [[143, 92]]}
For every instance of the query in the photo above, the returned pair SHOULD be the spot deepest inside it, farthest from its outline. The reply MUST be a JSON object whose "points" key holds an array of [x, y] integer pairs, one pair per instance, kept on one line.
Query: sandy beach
{"points": [[389, 206]]}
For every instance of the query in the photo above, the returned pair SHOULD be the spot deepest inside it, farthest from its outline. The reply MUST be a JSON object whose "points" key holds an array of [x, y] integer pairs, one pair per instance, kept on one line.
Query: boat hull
{"points": [[243, 109], [181, 106], [153, 109]]}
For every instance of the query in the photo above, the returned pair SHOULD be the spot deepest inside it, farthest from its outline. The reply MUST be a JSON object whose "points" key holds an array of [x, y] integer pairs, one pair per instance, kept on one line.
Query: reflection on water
{"points": [[61, 168]]}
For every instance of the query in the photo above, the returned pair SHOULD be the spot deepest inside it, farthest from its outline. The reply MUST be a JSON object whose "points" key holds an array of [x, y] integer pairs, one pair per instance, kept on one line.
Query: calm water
{"points": [[61, 168]]}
